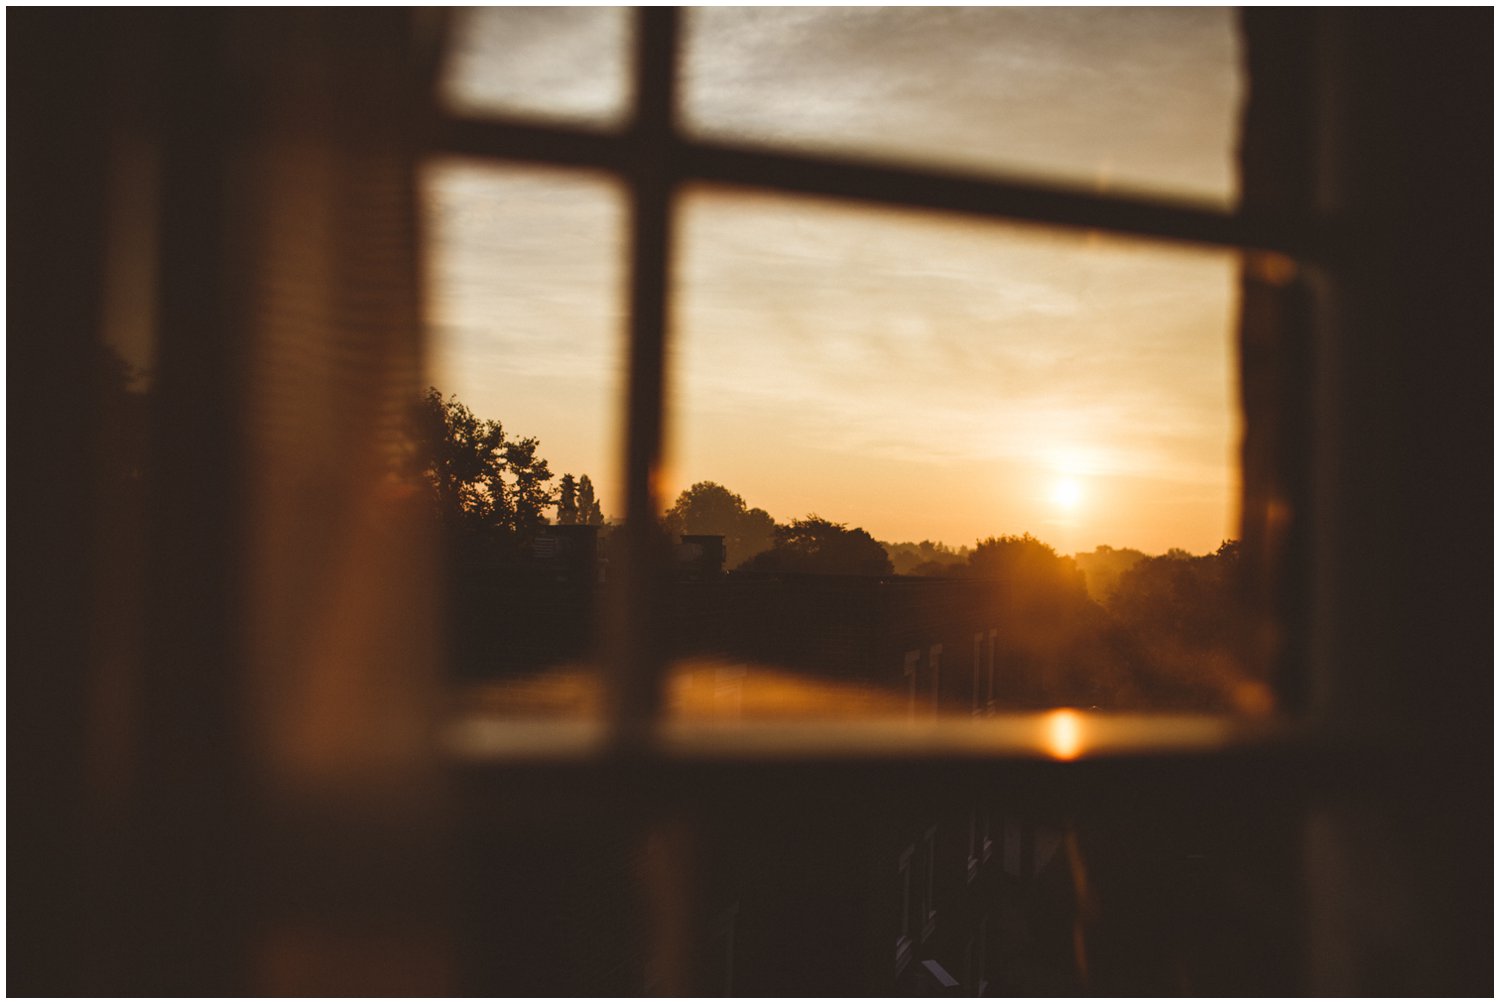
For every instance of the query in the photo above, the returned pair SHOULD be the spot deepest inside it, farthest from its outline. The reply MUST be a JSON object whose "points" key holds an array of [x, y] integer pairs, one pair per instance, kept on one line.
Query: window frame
{"points": [[653, 160]]}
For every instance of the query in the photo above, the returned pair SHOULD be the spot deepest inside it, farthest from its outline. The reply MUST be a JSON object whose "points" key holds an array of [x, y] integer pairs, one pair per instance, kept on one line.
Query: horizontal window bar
{"points": [[974, 195], [866, 181], [532, 143]]}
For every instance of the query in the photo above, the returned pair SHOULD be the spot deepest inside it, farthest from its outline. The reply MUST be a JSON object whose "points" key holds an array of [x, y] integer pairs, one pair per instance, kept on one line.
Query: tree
{"points": [[567, 500], [710, 508], [926, 558], [1103, 566], [1182, 615], [1178, 596], [1026, 562], [460, 460], [476, 479], [818, 546], [527, 492], [589, 510]]}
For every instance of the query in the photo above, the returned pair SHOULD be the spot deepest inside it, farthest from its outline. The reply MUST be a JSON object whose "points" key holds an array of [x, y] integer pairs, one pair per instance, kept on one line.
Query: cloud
{"points": [[815, 344], [1147, 98]]}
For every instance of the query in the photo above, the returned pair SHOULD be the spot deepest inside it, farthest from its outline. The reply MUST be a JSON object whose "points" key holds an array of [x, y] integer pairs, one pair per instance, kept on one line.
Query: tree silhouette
{"points": [[460, 460], [1182, 615], [1025, 561], [1103, 566], [526, 491], [1178, 596], [476, 480], [589, 510], [710, 508], [567, 500], [818, 546], [926, 558]]}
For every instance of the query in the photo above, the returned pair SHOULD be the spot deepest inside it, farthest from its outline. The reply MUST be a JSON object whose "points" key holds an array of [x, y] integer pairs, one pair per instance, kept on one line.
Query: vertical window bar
{"points": [[637, 654]]}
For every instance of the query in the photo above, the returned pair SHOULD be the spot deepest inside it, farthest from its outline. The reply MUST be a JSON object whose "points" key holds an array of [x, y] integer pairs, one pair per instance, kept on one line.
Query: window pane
{"points": [[525, 318], [569, 63], [1034, 431], [1107, 98]]}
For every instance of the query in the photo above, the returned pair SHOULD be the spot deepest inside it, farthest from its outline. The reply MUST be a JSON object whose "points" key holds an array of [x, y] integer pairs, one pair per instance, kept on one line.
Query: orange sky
{"points": [[919, 376]]}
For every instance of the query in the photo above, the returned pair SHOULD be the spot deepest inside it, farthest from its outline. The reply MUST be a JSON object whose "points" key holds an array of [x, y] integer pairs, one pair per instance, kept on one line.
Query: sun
{"points": [[1067, 494]]}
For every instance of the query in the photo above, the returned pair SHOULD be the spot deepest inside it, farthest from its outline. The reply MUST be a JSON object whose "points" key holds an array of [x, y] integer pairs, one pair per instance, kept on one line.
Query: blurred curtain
{"points": [[232, 784]]}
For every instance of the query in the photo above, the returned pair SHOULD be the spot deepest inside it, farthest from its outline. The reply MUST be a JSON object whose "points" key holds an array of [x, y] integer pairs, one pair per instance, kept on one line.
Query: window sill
{"points": [[1054, 736]]}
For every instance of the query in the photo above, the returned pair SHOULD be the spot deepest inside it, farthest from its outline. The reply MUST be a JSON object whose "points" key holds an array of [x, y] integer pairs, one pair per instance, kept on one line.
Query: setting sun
{"points": [[1024, 380], [1067, 493]]}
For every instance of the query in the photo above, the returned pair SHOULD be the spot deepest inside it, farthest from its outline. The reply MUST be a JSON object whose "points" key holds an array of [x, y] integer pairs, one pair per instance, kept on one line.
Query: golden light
{"points": [[1062, 734], [1067, 493]]}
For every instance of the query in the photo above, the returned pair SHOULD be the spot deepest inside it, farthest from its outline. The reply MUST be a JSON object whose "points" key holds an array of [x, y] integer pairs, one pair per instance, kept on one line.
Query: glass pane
{"points": [[957, 467], [1108, 98], [525, 316], [570, 63]]}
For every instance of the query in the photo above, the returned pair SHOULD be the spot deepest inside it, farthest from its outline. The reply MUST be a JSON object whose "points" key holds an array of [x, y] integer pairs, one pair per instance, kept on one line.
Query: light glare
{"points": [[1067, 493], [1063, 734]]}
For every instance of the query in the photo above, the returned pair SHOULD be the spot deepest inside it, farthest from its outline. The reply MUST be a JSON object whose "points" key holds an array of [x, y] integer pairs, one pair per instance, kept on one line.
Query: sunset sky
{"points": [[916, 375]]}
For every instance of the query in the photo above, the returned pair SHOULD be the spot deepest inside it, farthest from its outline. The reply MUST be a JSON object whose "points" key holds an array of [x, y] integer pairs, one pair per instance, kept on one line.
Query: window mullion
{"points": [[637, 652]]}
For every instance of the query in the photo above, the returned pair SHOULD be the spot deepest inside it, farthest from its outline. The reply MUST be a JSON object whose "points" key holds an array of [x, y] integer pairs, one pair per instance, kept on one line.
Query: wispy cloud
{"points": [[919, 375]]}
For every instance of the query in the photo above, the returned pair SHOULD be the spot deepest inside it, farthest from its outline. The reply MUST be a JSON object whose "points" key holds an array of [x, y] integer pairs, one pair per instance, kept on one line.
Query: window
{"points": [[977, 670], [971, 866], [908, 904], [987, 816], [977, 980], [934, 668], [990, 671], [787, 260], [909, 672], [257, 715], [927, 889]]}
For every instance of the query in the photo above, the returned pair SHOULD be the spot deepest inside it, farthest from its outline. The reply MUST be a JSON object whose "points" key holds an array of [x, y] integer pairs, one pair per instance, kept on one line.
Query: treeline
{"points": [[756, 543], [484, 486], [1118, 629], [1109, 628], [1112, 628], [925, 558]]}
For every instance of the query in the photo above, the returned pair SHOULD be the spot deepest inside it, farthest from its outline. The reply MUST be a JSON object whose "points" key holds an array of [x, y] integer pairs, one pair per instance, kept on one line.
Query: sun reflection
{"points": [[1062, 734]]}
